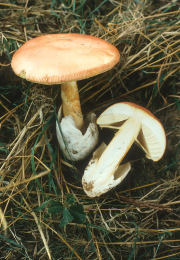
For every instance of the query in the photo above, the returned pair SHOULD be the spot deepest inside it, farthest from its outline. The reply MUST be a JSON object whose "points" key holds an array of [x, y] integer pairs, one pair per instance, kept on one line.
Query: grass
{"points": [[44, 213]]}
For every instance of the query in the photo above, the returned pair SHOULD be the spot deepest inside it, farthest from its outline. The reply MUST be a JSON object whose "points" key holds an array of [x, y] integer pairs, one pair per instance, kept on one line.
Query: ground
{"points": [[44, 211]]}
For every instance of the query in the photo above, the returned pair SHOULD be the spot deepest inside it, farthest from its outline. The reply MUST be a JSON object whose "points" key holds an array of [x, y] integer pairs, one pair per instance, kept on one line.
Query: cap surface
{"points": [[151, 137], [57, 58]]}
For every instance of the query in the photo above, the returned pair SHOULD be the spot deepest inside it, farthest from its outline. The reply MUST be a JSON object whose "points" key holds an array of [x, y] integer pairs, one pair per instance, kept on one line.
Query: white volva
{"points": [[74, 144], [134, 123]]}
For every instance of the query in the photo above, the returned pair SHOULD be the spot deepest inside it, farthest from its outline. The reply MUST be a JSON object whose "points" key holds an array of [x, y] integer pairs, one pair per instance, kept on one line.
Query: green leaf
{"points": [[78, 214], [10, 241], [42, 206], [55, 207], [66, 219], [70, 200]]}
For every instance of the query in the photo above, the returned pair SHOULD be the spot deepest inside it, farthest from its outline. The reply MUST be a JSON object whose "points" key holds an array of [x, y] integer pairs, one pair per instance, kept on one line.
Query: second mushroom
{"points": [[134, 124]]}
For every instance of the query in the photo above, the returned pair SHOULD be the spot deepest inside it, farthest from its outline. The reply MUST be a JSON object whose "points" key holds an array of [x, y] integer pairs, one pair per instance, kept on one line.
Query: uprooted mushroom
{"points": [[134, 123]]}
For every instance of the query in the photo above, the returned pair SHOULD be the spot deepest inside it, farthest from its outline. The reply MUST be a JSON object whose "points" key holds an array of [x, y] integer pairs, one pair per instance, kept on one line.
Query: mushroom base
{"points": [[74, 144]]}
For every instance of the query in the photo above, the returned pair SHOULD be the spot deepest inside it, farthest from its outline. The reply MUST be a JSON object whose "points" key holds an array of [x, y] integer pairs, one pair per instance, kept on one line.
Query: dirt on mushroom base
{"points": [[140, 218]]}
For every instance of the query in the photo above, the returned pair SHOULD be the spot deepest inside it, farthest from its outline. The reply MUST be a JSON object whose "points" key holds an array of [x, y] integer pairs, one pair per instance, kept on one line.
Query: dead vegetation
{"points": [[44, 213]]}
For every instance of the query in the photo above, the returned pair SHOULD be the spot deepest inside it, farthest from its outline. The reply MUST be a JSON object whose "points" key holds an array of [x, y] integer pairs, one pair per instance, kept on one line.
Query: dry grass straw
{"points": [[139, 219]]}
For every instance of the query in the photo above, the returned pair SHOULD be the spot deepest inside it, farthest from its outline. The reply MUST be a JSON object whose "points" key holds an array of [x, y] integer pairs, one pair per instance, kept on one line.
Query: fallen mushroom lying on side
{"points": [[135, 124], [63, 59]]}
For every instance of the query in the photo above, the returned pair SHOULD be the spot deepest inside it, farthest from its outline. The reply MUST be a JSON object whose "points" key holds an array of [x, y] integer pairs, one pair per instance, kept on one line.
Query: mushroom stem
{"points": [[104, 171], [118, 147], [71, 102]]}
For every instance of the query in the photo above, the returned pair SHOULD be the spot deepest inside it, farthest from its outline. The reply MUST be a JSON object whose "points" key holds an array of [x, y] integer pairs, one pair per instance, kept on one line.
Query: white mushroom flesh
{"points": [[151, 137], [99, 176], [134, 123]]}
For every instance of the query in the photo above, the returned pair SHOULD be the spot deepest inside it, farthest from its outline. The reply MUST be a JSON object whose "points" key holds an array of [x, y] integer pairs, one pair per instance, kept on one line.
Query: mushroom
{"points": [[135, 124], [63, 59]]}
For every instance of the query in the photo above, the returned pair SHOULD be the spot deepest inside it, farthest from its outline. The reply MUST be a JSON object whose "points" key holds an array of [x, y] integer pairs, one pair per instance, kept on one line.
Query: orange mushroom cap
{"points": [[57, 58]]}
